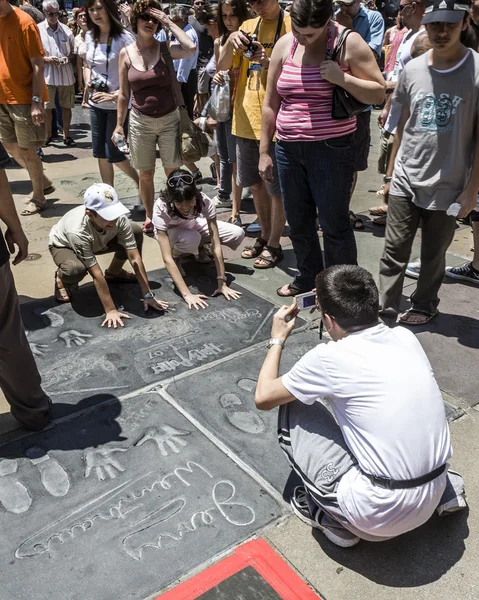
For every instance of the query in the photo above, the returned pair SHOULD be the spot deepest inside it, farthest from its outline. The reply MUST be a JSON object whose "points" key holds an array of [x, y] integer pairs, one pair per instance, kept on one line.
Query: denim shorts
{"points": [[103, 123], [247, 160]]}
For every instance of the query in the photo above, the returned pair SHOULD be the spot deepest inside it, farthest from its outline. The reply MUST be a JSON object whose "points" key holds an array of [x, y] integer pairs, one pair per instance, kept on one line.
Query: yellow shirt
{"points": [[251, 87]]}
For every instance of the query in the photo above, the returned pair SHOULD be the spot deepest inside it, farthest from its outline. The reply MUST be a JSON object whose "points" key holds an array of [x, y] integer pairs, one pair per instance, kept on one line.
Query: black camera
{"points": [[97, 84], [251, 48]]}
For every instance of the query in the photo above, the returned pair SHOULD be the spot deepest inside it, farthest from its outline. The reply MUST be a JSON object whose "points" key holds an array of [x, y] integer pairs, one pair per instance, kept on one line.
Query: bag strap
{"points": [[175, 84], [341, 42]]}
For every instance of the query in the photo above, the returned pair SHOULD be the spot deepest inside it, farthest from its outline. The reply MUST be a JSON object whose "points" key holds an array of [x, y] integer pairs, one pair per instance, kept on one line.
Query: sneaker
{"points": [[457, 503], [335, 532], [413, 268], [220, 202], [254, 227], [466, 272]]}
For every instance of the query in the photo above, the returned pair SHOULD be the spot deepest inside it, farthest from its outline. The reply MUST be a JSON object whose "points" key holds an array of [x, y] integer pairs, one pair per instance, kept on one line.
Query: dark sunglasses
{"points": [[55, 14], [147, 18], [176, 179]]}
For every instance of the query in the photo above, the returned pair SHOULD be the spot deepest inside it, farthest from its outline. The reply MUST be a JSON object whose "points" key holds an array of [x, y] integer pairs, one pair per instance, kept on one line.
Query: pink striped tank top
{"points": [[306, 101]]}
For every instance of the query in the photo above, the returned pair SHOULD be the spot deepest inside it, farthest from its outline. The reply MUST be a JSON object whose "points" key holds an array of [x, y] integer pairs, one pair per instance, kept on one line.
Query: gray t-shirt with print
{"points": [[436, 152]]}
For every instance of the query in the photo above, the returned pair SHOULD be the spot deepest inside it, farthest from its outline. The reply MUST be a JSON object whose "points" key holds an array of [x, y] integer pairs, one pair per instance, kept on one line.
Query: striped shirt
{"points": [[59, 43], [306, 103]]}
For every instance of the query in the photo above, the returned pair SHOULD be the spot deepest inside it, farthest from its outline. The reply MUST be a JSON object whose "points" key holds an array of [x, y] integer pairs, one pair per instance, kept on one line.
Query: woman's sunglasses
{"points": [[176, 179], [147, 18]]}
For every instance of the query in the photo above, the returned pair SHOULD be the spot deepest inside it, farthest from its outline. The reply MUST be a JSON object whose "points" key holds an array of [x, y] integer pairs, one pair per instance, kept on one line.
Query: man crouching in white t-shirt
{"points": [[379, 467]]}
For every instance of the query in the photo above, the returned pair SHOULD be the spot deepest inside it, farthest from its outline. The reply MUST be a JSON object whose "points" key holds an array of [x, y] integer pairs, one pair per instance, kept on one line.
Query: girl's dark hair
{"points": [[139, 8], [181, 192], [240, 10], [311, 13], [210, 13], [116, 28]]}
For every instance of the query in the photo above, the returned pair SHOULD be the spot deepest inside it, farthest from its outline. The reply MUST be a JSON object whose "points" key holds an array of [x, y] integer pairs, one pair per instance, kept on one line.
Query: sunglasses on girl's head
{"points": [[147, 18], [176, 179]]}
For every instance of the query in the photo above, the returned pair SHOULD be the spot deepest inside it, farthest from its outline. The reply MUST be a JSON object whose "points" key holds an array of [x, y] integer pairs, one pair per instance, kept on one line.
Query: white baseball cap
{"points": [[103, 199]]}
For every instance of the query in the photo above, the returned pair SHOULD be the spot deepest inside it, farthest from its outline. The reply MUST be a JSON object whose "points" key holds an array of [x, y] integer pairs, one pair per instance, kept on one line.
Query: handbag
{"points": [[220, 101], [344, 105], [194, 144]]}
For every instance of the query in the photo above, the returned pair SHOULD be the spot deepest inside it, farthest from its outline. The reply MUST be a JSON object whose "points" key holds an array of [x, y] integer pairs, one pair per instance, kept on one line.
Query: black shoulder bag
{"points": [[344, 106]]}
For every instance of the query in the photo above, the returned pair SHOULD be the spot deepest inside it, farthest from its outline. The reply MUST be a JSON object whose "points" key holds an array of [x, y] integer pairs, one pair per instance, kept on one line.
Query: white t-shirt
{"points": [[163, 221], [96, 55], [389, 407], [75, 231]]}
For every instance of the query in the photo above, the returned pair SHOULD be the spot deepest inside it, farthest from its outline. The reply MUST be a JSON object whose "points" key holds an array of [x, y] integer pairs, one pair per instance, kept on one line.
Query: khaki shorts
{"points": [[16, 126], [66, 96], [146, 133]]}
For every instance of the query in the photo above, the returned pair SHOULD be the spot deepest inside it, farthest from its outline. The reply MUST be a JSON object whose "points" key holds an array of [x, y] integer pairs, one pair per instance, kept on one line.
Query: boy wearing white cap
{"points": [[99, 227]]}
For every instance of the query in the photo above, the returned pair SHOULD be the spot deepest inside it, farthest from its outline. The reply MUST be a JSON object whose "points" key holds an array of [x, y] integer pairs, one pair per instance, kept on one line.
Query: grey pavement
{"points": [[156, 455]]}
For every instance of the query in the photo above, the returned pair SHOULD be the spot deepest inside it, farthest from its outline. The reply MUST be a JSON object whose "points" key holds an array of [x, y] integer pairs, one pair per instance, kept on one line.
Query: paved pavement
{"points": [[205, 400]]}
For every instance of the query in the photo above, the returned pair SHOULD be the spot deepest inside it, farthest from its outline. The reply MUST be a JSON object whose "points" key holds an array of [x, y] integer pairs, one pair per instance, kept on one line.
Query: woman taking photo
{"points": [[185, 220], [314, 152], [80, 51], [104, 40], [154, 118], [231, 14]]}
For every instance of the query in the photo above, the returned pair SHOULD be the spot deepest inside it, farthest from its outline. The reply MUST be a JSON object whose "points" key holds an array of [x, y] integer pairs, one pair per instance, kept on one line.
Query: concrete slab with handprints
{"points": [[223, 401], [79, 359], [119, 503]]}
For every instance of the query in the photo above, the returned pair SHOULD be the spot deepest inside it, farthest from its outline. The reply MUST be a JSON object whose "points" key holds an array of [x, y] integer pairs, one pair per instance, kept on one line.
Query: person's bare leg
{"points": [[67, 119], [191, 167], [169, 170], [126, 167], [475, 237], [116, 266], [34, 167], [13, 149], [278, 221], [106, 171], [147, 191], [48, 124], [236, 192], [262, 205]]}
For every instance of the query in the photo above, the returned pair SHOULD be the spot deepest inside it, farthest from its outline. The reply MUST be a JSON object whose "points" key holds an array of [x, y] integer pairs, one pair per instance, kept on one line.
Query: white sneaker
{"points": [[413, 269]]}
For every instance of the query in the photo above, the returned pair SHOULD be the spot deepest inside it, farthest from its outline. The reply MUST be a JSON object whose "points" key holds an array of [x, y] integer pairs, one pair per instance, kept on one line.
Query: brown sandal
{"points": [[255, 250], [271, 261]]}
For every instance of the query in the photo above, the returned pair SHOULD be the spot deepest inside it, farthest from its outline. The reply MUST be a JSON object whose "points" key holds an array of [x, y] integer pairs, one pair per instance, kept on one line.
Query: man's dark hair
{"points": [[349, 295], [311, 13]]}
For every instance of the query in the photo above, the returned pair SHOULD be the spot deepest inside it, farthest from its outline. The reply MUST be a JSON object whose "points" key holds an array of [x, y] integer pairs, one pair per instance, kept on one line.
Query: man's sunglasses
{"points": [[55, 14], [147, 18], [176, 179]]}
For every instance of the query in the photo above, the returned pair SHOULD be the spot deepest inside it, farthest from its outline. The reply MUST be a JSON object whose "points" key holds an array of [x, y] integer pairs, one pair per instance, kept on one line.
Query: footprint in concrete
{"points": [[49, 316], [243, 419], [54, 477], [14, 495]]}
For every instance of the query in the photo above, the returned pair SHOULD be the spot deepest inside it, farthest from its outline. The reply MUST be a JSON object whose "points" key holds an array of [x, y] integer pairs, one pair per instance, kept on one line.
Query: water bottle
{"points": [[120, 143]]}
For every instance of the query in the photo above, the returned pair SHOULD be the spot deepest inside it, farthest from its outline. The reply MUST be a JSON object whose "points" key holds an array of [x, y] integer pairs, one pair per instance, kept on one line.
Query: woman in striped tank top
{"points": [[315, 153]]}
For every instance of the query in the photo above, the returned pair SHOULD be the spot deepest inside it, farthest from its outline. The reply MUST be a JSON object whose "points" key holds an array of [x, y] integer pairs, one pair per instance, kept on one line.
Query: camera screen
{"points": [[309, 301]]}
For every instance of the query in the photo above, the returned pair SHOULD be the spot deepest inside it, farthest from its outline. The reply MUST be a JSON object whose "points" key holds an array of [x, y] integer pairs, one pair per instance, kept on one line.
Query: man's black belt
{"points": [[397, 484]]}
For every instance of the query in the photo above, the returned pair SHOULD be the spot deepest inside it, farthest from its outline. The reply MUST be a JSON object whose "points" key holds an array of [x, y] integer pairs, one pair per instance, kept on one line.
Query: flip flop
{"points": [[33, 208], [356, 222], [122, 277], [414, 311], [294, 289]]}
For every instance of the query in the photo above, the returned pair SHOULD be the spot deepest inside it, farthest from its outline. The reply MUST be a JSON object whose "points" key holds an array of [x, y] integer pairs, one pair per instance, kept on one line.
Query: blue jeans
{"points": [[316, 179], [226, 148]]}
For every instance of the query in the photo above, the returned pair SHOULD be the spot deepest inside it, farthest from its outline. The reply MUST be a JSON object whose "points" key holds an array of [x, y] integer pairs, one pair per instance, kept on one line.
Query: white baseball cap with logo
{"points": [[103, 199]]}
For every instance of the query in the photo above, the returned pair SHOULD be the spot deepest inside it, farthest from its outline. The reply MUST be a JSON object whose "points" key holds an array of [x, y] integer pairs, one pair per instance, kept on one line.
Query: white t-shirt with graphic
{"points": [[388, 405]]}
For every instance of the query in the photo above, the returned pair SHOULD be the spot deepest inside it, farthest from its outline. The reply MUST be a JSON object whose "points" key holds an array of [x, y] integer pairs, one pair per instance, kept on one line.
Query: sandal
{"points": [[356, 222], [403, 318], [293, 288], [235, 221], [276, 254], [379, 211], [33, 208], [256, 250], [121, 277], [70, 142], [62, 295]]}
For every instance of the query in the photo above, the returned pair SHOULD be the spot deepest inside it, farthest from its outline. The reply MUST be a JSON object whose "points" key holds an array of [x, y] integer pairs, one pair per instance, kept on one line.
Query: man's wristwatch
{"points": [[387, 179], [148, 295], [275, 342], [36, 99]]}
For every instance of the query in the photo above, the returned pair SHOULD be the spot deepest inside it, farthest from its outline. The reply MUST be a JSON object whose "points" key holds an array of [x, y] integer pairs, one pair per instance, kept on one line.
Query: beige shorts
{"points": [[146, 133], [16, 126], [66, 96]]}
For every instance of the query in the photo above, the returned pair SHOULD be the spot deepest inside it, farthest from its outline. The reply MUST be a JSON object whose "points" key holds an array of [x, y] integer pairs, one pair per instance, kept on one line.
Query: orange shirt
{"points": [[19, 42]]}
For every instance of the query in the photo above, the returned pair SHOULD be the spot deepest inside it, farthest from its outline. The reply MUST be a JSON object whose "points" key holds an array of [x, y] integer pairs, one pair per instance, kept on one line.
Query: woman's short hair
{"points": [[139, 8], [116, 28], [181, 192], [240, 10], [210, 13], [311, 13], [348, 294]]}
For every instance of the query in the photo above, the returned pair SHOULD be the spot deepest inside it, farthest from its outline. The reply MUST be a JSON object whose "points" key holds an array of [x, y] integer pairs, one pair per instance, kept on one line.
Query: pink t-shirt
{"points": [[163, 221]]}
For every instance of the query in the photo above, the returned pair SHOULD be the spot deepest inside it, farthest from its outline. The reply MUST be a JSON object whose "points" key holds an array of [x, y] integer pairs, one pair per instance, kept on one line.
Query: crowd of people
{"points": [[302, 83]]}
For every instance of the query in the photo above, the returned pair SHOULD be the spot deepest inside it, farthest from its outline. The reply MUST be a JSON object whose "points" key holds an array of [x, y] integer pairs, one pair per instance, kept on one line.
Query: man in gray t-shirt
{"points": [[434, 162]]}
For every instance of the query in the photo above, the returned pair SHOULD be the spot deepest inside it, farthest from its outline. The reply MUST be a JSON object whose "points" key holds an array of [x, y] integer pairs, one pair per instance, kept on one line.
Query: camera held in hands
{"points": [[251, 49], [97, 84], [306, 300]]}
